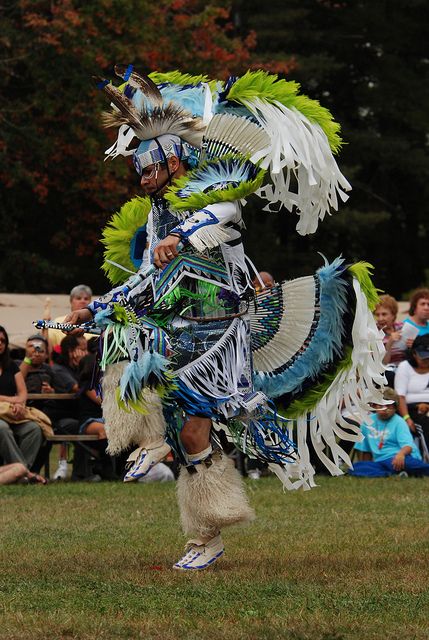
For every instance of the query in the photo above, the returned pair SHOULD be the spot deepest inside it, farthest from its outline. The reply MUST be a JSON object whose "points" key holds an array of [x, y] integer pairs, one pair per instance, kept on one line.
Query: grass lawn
{"points": [[93, 561]]}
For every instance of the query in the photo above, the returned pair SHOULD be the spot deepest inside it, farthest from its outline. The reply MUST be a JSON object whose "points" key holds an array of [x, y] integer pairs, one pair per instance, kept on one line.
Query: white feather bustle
{"points": [[352, 389], [212, 498], [124, 428], [302, 168]]}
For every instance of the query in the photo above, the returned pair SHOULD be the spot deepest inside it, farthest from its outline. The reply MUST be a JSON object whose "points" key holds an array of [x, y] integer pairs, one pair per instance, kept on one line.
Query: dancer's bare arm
{"points": [[77, 317]]}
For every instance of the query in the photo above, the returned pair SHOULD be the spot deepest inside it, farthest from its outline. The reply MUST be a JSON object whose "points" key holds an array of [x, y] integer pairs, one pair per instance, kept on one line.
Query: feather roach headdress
{"points": [[253, 134]]}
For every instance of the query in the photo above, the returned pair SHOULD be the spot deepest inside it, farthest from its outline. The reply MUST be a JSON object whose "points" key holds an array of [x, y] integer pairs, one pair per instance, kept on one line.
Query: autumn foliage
{"points": [[57, 191]]}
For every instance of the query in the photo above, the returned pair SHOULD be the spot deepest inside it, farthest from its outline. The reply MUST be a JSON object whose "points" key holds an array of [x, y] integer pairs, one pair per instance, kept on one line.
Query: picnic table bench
{"points": [[79, 439]]}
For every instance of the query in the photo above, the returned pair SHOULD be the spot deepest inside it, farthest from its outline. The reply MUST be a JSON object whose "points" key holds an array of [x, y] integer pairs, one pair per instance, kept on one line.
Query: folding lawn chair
{"points": [[421, 443]]}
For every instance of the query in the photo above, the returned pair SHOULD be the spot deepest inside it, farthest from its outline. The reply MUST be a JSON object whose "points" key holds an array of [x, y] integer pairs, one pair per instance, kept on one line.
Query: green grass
{"points": [[346, 560]]}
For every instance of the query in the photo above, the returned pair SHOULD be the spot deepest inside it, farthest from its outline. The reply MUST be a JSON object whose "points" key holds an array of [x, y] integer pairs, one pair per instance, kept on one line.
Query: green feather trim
{"points": [[176, 77], [138, 405], [210, 292], [118, 234], [123, 316], [313, 396], [207, 292], [120, 315], [198, 199], [265, 86], [362, 271]]}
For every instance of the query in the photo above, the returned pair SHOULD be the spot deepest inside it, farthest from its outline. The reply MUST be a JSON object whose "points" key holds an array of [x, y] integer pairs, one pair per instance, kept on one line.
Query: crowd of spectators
{"points": [[55, 364], [62, 371]]}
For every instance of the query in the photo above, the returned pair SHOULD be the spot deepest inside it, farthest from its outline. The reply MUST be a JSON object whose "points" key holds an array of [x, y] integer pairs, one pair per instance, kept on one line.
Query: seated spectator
{"points": [[66, 361], [263, 281], [19, 441], [17, 472], [412, 386], [38, 375], [80, 297], [91, 422], [90, 412], [64, 413], [419, 311], [385, 314], [388, 447]]}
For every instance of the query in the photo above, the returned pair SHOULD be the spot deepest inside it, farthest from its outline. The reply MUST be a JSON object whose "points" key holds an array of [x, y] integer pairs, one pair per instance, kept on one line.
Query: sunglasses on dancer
{"points": [[151, 171]]}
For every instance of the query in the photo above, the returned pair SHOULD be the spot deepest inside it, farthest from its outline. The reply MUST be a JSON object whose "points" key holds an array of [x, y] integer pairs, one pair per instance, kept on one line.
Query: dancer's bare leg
{"points": [[195, 435]]}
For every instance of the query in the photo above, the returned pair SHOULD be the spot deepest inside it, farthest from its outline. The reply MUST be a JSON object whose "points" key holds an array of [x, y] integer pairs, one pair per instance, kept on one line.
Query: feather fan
{"points": [[143, 83], [227, 133]]}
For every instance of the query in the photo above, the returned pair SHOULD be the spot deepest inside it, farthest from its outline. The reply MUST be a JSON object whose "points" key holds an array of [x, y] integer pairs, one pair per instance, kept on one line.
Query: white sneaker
{"points": [[146, 459], [200, 555], [254, 474], [62, 471]]}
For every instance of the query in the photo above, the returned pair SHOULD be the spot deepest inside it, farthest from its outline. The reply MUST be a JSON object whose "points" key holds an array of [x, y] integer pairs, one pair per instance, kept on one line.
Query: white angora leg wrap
{"points": [[212, 497], [125, 428]]}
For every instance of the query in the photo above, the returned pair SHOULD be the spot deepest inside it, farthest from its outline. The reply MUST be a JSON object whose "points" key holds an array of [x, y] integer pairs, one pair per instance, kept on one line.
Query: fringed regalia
{"points": [[194, 338]]}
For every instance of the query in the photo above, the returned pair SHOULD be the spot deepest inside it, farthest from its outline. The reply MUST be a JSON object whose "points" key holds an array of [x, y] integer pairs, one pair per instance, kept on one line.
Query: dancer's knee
{"points": [[195, 435]]}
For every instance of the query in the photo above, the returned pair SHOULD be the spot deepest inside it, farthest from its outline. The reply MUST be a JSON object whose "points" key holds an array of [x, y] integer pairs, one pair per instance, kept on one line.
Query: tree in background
{"points": [[57, 192], [366, 61]]}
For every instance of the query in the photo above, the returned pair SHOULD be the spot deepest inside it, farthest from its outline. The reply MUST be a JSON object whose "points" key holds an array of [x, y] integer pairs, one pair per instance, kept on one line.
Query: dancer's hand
{"points": [[166, 251], [77, 317]]}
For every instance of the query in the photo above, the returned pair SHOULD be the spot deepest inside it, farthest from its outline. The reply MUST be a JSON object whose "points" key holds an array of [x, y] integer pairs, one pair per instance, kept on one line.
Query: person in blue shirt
{"points": [[387, 447]]}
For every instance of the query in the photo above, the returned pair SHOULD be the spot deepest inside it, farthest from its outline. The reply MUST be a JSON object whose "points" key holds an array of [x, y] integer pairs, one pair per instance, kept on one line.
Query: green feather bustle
{"points": [[123, 316], [362, 271], [117, 237], [266, 86], [181, 79]]}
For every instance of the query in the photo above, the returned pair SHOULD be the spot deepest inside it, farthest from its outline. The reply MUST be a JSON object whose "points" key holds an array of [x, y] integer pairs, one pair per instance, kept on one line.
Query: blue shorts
{"points": [[84, 425]]}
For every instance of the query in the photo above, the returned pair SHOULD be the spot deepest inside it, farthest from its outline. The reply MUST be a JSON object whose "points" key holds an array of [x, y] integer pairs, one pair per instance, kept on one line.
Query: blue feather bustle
{"points": [[190, 97], [324, 344], [149, 370]]}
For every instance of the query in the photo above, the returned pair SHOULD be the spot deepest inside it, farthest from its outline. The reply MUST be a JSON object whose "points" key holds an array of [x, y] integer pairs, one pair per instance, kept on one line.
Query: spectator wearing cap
{"points": [[387, 447], [412, 386], [80, 297]]}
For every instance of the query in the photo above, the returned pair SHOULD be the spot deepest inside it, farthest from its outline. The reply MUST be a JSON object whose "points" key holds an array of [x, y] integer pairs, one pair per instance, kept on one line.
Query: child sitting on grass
{"points": [[387, 447]]}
